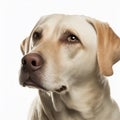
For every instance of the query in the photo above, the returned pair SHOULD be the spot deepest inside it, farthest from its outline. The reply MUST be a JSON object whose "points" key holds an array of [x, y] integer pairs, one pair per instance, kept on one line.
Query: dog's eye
{"points": [[69, 38], [73, 39], [36, 35]]}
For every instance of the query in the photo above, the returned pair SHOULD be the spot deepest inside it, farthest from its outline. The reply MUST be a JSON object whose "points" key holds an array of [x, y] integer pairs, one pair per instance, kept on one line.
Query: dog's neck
{"points": [[88, 100], [88, 97]]}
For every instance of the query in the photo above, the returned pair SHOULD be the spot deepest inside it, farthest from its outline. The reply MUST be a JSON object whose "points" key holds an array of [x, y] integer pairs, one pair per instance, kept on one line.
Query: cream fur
{"points": [[75, 66]]}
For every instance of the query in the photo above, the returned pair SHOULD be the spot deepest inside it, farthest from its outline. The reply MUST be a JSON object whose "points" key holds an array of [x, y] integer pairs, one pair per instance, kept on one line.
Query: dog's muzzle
{"points": [[31, 69], [31, 64]]}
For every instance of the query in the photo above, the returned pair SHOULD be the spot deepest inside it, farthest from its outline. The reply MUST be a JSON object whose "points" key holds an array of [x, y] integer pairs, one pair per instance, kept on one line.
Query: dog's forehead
{"points": [[60, 20], [59, 23]]}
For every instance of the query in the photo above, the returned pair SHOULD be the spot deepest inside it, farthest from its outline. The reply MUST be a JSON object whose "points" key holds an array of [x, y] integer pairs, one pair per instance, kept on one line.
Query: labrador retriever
{"points": [[66, 57]]}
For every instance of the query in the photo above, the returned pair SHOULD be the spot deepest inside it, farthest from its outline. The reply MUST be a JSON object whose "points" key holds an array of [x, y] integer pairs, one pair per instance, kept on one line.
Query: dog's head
{"points": [[62, 51]]}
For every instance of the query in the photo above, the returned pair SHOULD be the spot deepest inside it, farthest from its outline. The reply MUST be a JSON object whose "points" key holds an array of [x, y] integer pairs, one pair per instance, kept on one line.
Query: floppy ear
{"points": [[108, 52], [25, 46]]}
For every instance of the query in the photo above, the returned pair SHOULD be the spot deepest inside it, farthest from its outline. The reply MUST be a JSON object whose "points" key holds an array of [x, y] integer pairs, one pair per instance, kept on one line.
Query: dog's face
{"points": [[60, 52]]}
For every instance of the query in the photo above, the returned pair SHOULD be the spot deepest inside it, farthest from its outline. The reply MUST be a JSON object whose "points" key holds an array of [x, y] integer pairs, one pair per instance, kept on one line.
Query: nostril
{"points": [[34, 63]]}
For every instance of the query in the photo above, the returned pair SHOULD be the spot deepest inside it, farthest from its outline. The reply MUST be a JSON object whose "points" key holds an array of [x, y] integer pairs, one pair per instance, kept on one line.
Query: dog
{"points": [[66, 57]]}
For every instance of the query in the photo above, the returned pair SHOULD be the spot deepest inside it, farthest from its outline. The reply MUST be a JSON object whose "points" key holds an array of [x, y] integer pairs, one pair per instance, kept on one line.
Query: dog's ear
{"points": [[108, 52], [25, 46]]}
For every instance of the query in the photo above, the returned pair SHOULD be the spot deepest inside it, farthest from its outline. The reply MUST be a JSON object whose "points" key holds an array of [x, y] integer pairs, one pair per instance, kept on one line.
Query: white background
{"points": [[17, 18]]}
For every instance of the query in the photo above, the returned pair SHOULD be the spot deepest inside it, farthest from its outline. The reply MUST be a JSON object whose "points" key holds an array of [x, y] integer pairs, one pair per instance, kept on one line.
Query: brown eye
{"points": [[73, 39], [36, 35]]}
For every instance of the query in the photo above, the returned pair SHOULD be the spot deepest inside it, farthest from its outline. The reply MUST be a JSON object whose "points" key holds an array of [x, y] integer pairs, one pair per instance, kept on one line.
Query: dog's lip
{"points": [[61, 89], [31, 83], [26, 80]]}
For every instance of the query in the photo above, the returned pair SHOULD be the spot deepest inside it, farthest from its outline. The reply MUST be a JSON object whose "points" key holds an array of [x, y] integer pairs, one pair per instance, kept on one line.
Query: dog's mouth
{"points": [[31, 83], [61, 89]]}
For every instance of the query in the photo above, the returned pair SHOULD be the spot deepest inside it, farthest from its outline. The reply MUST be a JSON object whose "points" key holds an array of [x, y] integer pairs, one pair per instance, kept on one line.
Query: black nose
{"points": [[32, 61]]}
